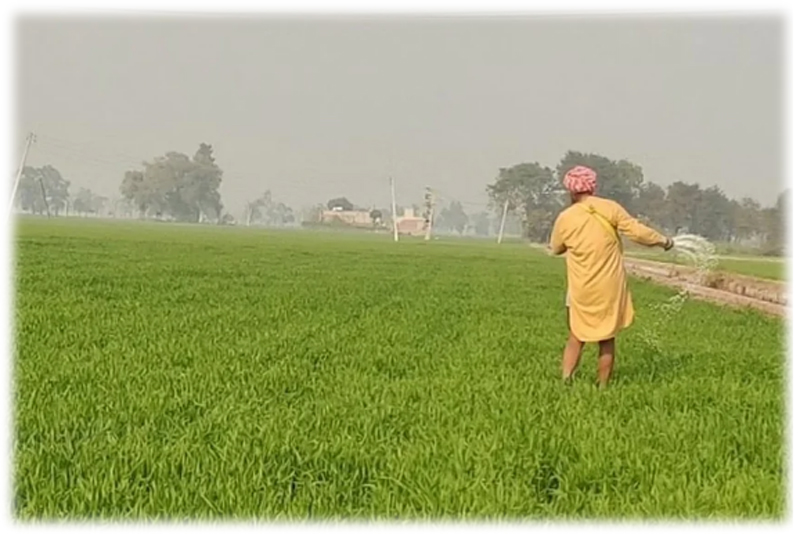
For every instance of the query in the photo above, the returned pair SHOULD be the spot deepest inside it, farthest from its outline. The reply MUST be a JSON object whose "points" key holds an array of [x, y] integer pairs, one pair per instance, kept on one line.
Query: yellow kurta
{"points": [[599, 299]]}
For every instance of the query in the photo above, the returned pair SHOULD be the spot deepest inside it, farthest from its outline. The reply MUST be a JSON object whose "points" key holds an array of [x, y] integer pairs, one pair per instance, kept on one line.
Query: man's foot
{"points": [[567, 381]]}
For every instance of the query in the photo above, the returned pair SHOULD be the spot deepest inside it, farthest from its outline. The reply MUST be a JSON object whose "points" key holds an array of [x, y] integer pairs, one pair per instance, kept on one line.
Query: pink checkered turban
{"points": [[581, 180]]}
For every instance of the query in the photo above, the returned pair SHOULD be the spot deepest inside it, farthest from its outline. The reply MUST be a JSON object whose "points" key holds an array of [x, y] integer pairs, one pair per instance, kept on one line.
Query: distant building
{"points": [[410, 224], [352, 218]]}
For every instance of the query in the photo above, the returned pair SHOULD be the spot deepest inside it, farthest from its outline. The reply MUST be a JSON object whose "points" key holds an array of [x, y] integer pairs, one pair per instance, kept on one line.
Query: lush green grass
{"points": [[195, 372], [759, 267], [772, 270]]}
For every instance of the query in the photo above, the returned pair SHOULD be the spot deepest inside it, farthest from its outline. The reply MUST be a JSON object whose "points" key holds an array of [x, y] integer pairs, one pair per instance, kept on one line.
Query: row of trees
{"points": [[44, 190], [173, 186], [187, 189], [535, 194]]}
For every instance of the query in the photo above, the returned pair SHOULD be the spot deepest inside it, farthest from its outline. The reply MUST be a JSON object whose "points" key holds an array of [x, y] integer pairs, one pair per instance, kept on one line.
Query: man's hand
{"points": [[669, 243]]}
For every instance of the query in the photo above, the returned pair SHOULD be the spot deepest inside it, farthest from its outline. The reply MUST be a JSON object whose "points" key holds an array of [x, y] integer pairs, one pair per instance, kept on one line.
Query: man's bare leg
{"points": [[605, 363], [572, 357]]}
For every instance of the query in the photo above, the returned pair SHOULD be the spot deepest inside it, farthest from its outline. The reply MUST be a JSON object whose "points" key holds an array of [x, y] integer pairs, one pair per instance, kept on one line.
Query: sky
{"points": [[314, 108]]}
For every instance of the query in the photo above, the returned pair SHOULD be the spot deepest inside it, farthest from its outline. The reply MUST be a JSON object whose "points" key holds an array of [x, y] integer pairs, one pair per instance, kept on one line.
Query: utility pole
{"points": [[430, 203], [28, 142], [44, 198], [502, 223], [394, 209]]}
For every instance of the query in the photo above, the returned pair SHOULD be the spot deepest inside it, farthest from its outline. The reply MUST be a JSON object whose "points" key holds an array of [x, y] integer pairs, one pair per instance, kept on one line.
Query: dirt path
{"points": [[728, 289]]}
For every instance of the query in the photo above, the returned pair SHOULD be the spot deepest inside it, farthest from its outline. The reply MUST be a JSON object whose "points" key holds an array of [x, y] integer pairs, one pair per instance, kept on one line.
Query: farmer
{"points": [[598, 300]]}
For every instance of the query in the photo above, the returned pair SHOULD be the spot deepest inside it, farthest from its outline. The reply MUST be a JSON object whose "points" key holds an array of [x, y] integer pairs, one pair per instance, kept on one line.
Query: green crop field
{"points": [[177, 372], [758, 267], [763, 268]]}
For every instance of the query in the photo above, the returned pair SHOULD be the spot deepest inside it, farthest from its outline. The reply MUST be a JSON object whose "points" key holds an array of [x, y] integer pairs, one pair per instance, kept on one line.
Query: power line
{"points": [[51, 152], [62, 148], [444, 196], [83, 149]]}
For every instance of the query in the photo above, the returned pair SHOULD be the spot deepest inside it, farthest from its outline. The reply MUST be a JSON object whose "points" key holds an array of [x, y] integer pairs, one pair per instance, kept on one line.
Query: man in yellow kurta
{"points": [[599, 302]]}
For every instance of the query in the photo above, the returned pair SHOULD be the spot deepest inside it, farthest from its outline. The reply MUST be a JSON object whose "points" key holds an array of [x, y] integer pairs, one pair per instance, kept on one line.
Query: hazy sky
{"points": [[315, 108]]}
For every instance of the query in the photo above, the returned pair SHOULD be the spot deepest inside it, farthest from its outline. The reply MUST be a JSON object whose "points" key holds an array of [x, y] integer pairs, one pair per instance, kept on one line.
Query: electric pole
{"points": [[430, 203], [394, 209], [44, 198], [502, 223], [28, 142]]}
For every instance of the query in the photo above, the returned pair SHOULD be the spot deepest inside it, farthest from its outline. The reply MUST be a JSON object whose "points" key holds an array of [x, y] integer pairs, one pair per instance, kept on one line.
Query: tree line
{"points": [[43, 190], [182, 188], [173, 186], [535, 194]]}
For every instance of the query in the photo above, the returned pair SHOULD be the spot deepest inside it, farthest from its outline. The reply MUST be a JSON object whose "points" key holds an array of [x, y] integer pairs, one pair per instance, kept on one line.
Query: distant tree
{"points": [[714, 216], [29, 192], [312, 214], [340, 203], [280, 215], [139, 192], [99, 204], [86, 202], [266, 211], [481, 223], [748, 220], [776, 218], [650, 205], [82, 204], [41, 189], [453, 217], [254, 207], [260, 207], [533, 193], [376, 216], [121, 207], [201, 186], [682, 205], [186, 189]]}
